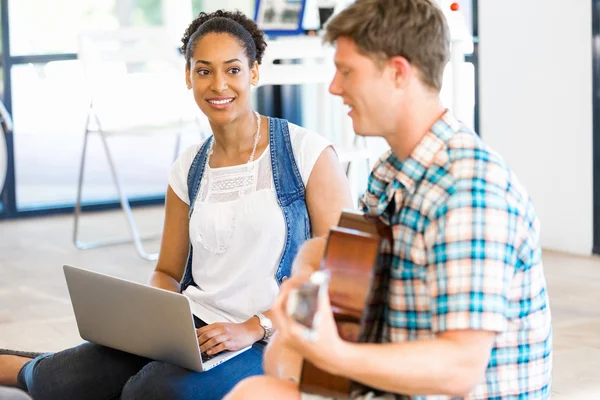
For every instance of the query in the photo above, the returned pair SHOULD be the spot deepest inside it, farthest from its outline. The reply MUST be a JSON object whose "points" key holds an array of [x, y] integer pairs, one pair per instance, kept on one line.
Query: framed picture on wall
{"points": [[280, 17]]}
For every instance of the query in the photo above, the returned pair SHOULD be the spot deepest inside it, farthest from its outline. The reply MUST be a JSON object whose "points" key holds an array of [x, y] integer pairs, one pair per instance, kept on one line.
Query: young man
{"points": [[465, 310]]}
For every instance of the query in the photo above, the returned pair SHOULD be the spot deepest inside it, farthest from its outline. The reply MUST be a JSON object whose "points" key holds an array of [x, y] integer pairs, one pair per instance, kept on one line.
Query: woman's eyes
{"points": [[234, 71]]}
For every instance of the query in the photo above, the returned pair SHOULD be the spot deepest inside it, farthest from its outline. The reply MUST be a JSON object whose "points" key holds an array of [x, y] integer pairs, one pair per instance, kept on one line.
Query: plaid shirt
{"points": [[466, 255]]}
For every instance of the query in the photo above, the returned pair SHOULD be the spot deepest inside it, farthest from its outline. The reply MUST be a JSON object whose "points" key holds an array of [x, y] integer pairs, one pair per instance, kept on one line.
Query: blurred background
{"points": [[47, 86], [95, 104]]}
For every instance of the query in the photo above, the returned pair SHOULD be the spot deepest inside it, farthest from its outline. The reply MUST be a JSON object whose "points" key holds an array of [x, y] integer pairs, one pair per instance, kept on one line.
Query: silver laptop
{"points": [[138, 319]]}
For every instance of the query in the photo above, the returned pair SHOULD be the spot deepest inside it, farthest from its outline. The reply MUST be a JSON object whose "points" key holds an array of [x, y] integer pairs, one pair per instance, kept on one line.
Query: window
{"points": [[49, 103], [51, 27]]}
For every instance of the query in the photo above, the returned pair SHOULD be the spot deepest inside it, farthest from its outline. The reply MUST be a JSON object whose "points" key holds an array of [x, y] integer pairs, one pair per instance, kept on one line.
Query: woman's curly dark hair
{"points": [[235, 23]]}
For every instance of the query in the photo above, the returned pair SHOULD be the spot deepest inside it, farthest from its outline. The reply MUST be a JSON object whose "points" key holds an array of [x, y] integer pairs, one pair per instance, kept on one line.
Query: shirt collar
{"points": [[391, 174]]}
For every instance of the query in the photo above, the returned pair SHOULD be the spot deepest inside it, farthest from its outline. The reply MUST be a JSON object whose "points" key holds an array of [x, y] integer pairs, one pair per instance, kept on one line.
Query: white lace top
{"points": [[237, 230]]}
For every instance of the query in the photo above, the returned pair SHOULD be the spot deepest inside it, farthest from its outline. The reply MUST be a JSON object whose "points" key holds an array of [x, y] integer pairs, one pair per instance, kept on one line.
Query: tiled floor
{"points": [[35, 312]]}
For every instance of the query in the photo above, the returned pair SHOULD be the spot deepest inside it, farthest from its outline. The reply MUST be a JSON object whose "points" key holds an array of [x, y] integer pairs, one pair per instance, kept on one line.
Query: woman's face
{"points": [[220, 77]]}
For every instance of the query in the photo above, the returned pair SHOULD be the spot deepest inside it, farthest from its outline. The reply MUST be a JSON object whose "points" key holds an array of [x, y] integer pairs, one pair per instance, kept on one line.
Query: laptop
{"points": [[138, 319]]}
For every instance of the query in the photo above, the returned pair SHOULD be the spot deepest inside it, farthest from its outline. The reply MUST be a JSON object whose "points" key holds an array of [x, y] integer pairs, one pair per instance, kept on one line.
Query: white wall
{"points": [[536, 107]]}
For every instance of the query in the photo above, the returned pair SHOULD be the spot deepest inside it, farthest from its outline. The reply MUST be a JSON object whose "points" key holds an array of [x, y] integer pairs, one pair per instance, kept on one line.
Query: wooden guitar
{"points": [[350, 255]]}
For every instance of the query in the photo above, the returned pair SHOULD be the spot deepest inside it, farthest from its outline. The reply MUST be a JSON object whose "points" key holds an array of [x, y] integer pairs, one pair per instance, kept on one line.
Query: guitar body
{"points": [[351, 254]]}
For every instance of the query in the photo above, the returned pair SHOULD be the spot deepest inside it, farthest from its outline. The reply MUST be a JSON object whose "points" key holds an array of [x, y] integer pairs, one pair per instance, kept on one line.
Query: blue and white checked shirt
{"points": [[466, 255]]}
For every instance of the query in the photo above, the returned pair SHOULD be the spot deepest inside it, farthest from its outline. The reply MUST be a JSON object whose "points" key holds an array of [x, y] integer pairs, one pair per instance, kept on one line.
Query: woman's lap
{"points": [[159, 380], [91, 371]]}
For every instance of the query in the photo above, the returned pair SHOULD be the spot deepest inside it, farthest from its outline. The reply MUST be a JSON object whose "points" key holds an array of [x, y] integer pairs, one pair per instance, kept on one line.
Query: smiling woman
{"points": [[238, 208], [222, 58]]}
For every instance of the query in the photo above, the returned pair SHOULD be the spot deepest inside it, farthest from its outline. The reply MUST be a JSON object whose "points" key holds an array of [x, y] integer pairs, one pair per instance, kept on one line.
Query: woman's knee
{"points": [[36, 375], [157, 380], [72, 372]]}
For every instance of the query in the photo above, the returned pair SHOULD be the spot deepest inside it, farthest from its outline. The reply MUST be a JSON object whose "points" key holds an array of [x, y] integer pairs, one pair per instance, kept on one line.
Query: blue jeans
{"points": [[90, 371]]}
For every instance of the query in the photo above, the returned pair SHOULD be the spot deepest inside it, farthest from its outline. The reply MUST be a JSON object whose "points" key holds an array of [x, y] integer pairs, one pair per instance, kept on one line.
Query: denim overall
{"points": [[290, 196]]}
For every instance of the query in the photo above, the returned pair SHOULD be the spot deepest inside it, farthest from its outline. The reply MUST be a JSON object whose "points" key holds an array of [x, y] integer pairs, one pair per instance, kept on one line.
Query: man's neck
{"points": [[413, 124]]}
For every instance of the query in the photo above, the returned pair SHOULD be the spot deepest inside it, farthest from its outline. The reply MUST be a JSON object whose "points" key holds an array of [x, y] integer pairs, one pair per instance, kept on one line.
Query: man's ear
{"points": [[401, 71], [254, 73], [188, 81]]}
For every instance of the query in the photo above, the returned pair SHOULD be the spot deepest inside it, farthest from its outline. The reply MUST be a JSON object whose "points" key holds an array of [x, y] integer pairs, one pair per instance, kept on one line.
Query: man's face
{"points": [[366, 87]]}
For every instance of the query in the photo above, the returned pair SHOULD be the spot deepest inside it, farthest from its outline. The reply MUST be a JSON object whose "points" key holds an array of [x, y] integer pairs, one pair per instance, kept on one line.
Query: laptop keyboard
{"points": [[206, 357]]}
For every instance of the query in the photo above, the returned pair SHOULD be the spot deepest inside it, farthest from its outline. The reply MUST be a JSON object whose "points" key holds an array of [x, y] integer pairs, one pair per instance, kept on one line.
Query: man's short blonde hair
{"points": [[382, 29]]}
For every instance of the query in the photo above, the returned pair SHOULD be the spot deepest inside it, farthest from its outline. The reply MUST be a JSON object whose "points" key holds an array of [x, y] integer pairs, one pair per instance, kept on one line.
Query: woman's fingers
{"points": [[207, 335], [226, 345], [215, 341]]}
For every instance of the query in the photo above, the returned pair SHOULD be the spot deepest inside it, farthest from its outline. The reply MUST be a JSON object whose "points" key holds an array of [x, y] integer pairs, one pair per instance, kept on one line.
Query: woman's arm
{"points": [[327, 193], [174, 246]]}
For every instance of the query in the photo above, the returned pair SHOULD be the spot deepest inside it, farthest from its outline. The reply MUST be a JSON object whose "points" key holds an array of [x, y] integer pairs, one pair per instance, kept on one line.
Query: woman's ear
{"points": [[188, 81], [254, 74]]}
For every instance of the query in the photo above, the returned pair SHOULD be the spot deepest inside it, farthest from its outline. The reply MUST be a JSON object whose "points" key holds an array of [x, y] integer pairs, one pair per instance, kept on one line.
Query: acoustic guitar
{"points": [[350, 256]]}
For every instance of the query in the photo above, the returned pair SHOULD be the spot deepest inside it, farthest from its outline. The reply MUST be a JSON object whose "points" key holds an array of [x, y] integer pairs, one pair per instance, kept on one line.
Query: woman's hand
{"points": [[215, 338]]}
